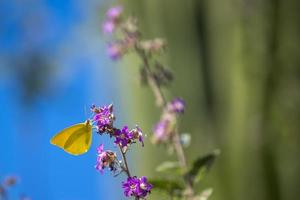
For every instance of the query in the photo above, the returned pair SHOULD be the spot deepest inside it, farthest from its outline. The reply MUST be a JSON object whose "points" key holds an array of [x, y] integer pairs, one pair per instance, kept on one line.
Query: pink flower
{"points": [[137, 187], [162, 131], [112, 19], [108, 26], [114, 13], [177, 105], [103, 117], [115, 51], [125, 137]]}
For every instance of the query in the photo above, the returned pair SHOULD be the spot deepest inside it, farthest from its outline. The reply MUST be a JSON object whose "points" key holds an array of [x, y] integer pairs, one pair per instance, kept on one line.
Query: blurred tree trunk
{"points": [[237, 65]]}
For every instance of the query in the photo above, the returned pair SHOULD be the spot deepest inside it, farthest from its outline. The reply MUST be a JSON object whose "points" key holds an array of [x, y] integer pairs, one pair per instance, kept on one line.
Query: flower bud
{"points": [[115, 50], [177, 105]]}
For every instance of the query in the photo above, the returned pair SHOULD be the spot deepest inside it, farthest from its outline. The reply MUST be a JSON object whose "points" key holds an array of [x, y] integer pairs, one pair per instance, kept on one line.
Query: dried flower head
{"points": [[130, 26], [106, 159], [153, 46], [137, 134]]}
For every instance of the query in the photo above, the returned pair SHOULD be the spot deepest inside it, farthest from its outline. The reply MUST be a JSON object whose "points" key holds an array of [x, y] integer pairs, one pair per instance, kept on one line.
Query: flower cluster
{"points": [[113, 16], [129, 37], [164, 129], [137, 187], [106, 159], [125, 137], [104, 118]]}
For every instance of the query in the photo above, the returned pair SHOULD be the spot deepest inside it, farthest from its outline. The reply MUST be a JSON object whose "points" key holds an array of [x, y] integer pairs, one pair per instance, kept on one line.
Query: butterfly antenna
{"points": [[85, 111], [87, 114]]}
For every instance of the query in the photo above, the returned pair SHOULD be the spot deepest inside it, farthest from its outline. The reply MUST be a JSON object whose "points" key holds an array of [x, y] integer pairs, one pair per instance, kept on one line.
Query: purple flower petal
{"points": [[137, 187], [114, 12]]}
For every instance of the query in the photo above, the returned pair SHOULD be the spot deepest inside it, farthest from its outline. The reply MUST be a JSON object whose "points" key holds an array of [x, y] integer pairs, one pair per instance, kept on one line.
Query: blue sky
{"points": [[52, 61]]}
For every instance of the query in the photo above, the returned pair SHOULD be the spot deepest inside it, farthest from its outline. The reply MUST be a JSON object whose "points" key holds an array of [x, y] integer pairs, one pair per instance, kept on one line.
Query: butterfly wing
{"points": [[75, 139]]}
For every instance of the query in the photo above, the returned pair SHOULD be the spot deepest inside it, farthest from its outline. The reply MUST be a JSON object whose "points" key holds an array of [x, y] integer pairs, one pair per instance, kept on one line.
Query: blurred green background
{"points": [[237, 65]]}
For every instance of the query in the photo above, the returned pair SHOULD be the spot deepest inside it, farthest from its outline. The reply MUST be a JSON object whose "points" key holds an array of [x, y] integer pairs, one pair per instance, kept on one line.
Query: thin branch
{"points": [[159, 96], [125, 168], [178, 148], [162, 102]]}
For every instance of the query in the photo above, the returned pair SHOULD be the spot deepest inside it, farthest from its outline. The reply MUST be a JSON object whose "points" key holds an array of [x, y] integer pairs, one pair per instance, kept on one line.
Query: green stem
{"points": [[159, 96], [162, 102], [125, 166]]}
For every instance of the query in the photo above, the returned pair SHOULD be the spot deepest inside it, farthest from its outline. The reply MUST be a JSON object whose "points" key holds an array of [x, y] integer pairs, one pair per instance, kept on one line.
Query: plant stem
{"points": [[159, 96], [125, 168], [162, 102]]}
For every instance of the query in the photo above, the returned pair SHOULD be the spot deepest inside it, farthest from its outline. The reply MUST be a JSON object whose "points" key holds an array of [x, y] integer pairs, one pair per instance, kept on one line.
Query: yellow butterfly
{"points": [[75, 139]]}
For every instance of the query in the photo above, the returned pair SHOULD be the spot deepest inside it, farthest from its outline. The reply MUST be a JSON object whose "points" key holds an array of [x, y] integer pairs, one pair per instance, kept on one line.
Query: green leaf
{"points": [[199, 177], [202, 165], [168, 166], [169, 186], [205, 194]]}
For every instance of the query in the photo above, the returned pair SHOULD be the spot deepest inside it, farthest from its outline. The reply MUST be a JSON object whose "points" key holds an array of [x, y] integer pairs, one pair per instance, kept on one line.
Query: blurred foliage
{"points": [[202, 165], [237, 65], [6, 185], [33, 73], [173, 188]]}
